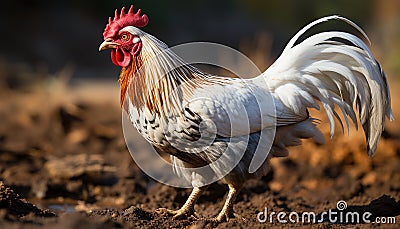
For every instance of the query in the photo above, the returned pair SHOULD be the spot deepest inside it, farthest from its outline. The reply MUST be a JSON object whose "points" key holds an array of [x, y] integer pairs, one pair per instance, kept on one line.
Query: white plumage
{"points": [[200, 118], [336, 68]]}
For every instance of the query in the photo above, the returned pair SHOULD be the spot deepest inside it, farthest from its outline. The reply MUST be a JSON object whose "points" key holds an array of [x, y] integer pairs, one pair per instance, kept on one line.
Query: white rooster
{"points": [[174, 104]]}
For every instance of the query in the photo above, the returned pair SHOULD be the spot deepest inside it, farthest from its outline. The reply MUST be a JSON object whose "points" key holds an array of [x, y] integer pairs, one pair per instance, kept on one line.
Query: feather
{"points": [[338, 69]]}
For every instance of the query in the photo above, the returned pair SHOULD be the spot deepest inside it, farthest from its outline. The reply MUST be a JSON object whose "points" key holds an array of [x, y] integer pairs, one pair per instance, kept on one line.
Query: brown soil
{"points": [[62, 149]]}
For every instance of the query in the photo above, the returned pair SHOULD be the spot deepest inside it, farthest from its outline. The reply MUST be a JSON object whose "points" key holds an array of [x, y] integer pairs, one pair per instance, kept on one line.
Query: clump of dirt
{"points": [[14, 205]]}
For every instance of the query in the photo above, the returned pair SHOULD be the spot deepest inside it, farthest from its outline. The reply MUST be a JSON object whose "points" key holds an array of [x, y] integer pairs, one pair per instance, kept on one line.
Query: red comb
{"points": [[122, 20]]}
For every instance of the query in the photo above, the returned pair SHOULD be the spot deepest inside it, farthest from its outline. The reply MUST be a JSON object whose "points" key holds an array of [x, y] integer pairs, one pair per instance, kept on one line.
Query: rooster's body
{"points": [[200, 118]]}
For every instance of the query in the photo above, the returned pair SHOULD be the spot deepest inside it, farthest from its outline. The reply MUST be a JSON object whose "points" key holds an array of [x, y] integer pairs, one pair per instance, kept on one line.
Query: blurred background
{"points": [[56, 34], [61, 141]]}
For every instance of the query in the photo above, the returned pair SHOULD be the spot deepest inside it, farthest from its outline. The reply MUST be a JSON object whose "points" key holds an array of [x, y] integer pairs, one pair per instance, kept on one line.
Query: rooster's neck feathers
{"points": [[160, 80]]}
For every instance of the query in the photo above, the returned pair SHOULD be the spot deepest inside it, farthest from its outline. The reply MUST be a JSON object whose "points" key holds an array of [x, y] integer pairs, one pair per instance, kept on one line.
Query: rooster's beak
{"points": [[107, 44]]}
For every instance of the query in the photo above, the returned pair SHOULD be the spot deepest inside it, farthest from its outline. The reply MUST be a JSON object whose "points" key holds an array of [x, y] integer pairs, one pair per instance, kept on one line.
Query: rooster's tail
{"points": [[336, 68]]}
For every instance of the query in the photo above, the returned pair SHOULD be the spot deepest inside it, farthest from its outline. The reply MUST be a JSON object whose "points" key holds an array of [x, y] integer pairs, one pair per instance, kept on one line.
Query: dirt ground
{"points": [[64, 164]]}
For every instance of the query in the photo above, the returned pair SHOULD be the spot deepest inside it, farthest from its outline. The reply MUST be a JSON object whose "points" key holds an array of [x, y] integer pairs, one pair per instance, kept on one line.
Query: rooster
{"points": [[334, 69]]}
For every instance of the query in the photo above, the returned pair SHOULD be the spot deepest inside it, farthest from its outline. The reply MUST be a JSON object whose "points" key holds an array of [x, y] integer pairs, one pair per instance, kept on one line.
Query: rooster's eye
{"points": [[124, 37]]}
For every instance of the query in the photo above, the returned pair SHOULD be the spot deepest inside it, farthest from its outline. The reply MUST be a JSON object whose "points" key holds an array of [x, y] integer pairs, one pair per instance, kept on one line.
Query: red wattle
{"points": [[120, 57]]}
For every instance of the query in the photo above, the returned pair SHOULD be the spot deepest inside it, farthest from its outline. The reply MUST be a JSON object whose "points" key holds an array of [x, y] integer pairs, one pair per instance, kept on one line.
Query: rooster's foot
{"points": [[225, 217], [178, 214]]}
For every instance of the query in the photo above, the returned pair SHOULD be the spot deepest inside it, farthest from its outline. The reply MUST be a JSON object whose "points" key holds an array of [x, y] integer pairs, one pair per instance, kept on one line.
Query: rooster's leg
{"points": [[188, 208], [227, 211]]}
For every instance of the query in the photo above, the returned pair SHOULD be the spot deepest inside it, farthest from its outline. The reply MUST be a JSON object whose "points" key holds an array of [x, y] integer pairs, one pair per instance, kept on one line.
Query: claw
{"points": [[227, 211], [177, 214], [164, 212], [187, 210], [225, 217]]}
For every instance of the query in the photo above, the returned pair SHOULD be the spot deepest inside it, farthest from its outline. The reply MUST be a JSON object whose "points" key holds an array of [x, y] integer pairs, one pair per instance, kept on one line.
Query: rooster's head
{"points": [[123, 36]]}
